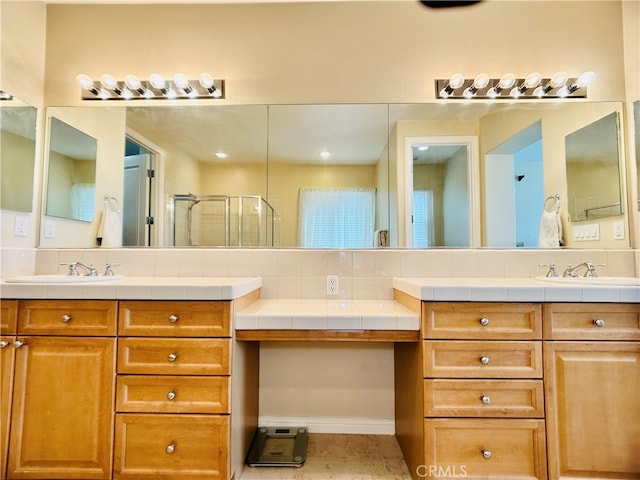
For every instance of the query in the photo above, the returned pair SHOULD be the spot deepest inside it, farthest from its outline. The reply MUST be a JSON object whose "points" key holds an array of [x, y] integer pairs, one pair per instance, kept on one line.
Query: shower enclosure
{"points": [[221, 221]]}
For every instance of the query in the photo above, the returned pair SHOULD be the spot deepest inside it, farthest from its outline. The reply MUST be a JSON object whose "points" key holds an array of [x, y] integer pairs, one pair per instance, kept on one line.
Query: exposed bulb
{"points": [[110, 83], [456, 81], [585, 79], [559, 79], [532, 80], [206, 80], [85, 81], [182, 82], [481, 81], [507, 81], [157, 81], [132, 82]]}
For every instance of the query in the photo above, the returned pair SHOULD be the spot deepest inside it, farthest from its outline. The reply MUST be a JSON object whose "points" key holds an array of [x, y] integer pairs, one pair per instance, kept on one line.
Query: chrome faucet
{"points": [[73, 269], [590, 270]]}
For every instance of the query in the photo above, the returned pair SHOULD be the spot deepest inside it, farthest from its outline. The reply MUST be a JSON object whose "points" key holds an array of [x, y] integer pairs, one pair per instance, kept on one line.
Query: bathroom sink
{"points": [[600, 281], [53, 278]]}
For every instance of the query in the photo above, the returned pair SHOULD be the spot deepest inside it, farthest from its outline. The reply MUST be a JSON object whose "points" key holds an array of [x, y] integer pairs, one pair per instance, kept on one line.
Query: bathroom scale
{"points": [[279, 447]]}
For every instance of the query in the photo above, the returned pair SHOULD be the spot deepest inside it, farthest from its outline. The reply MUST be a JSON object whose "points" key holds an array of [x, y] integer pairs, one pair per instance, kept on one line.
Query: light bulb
{"points": [[182, 82], [456, 81], [469, 92], [206, 80], [216, 93], [516, 92], [157, 81], [132, 82], [532, 80], [559, 79], [585, 78], [539, 92], [85, 81], [563, 92], [110, 83], [481, 81], [508, 80]]}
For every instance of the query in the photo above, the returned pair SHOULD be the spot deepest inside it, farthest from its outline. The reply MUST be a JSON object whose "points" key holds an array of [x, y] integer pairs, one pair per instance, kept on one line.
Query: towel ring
{"points": [[552, 203]]}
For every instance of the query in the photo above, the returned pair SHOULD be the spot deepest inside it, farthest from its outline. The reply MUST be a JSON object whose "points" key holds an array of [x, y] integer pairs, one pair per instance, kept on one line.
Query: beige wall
{"points": [[17, 156]]}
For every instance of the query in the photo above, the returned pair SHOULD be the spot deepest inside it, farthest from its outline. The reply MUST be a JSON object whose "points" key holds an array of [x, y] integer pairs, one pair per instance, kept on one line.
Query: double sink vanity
{"points": [[158, 377]]}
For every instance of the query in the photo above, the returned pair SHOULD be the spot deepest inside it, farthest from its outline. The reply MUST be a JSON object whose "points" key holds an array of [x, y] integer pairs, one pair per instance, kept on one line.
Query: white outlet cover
{"points": [[20, 225]]}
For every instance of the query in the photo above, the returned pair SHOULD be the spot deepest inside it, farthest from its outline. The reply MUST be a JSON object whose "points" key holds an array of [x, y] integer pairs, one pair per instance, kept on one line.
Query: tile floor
{"points": [[342, 457]]}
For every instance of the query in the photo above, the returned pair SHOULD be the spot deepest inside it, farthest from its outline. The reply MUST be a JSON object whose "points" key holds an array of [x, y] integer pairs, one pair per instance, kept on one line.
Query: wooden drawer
{"points": [[67, 317], [485, 448], [484, 398], [175, 318], [174, 356], [8, 317], [475, 359], [179, 447], [491, 321], [592, 321], [171, 394]]}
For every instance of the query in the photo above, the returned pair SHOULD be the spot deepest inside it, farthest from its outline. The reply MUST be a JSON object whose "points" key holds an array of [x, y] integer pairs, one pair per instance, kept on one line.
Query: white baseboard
{"points": [[362, 426]]}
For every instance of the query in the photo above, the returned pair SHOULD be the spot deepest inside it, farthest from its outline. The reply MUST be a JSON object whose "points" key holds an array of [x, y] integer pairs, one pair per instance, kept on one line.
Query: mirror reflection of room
{"points": [[71, 173]]}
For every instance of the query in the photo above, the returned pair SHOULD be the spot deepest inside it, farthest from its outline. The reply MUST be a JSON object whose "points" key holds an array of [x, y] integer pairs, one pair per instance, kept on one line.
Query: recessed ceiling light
{"points": [[221, 155], [325, 154]]}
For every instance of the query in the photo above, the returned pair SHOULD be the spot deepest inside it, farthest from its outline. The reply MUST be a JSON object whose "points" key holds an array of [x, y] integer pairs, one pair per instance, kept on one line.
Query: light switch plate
{"points": [[20, 225], [618, 230]]}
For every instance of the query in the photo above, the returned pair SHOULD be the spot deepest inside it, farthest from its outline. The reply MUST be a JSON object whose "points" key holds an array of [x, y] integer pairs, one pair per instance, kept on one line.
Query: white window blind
{"points": [[83, 201], [336, 217], [423, 218]]}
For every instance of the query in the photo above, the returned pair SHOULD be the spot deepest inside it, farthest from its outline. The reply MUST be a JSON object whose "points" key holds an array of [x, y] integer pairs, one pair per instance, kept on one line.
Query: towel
{"points": [[110, 229], [550, 230]]}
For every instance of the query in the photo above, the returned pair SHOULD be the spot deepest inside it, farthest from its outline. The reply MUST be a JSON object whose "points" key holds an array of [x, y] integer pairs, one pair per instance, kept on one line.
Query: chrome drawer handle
{"points": [[18, 344], [485, 399], [484, 360], [486, 453], [66, 318], [3, 344], [172, 357], [173, 318], [484, 321], [599, 322], [170, 448], [171, 395]]}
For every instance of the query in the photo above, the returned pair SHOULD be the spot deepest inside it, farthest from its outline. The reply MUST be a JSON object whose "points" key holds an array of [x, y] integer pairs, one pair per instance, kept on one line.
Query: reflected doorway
{"points": [[514, 186], [139, 175], [441, 200]]}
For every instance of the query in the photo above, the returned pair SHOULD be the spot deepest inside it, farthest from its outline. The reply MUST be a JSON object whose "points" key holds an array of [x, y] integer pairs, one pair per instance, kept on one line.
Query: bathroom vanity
{"points": [[494, 379]]}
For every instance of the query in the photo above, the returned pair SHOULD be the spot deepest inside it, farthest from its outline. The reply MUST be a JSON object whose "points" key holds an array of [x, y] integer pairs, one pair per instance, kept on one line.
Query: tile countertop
{"points": [[306, 314], [138, 288], [512, 290]]}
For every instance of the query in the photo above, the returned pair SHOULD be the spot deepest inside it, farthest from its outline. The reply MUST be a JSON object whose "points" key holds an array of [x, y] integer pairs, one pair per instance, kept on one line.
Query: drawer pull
{"points": [[484, 321], [173, 318], [171, 395], [485, 399], [486, 453], [18, 344], [170, 448], [599, 322], [484, 360], [66, 318], [3, 344], [172, 357]]}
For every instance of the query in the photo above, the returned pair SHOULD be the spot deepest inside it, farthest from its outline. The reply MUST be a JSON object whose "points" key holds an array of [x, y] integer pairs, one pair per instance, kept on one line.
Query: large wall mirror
{"points": [[71, 173], [251, 175], [593, 170], [17, 155]]}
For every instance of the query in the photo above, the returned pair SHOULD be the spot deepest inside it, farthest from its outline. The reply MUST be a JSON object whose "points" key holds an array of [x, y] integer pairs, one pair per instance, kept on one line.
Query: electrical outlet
{"points": [[618, 230], [20, 226], [49, 229], [332, 285]]}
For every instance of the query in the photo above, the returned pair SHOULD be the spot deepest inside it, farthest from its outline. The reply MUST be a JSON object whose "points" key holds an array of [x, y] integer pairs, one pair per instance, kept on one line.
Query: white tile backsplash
{"points": [[295, 273]]}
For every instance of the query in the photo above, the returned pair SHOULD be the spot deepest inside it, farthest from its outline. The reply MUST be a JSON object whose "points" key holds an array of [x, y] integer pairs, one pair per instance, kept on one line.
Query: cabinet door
{"points": [[593, 409], [8, 317], [61, 423], [7, 354]]}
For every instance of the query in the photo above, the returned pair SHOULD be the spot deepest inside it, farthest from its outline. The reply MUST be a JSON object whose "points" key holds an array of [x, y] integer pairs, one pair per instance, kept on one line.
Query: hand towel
{"points": [[110, 229], [550, 230]]}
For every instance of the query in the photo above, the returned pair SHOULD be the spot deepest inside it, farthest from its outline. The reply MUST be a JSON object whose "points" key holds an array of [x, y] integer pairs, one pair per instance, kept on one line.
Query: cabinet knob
{"points": [[3, 344], [173, 318], [484, 360], [66, 318], [172, 357], [18, 344], [486, 453], [171, 395], [484, 321], [599, 322], [485, 399], [170, 448]]}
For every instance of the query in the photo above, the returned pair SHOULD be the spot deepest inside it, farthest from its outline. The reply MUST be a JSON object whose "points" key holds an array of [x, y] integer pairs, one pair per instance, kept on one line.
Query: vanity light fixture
{"points": [[509, 86], [5, 95], [156, 87]]}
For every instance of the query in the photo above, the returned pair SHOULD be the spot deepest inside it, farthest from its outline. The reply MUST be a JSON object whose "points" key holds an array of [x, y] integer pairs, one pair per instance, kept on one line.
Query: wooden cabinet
{"points": [[8, 325], [63, 392], [474, 406], [173, 400], [592, 383]]}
